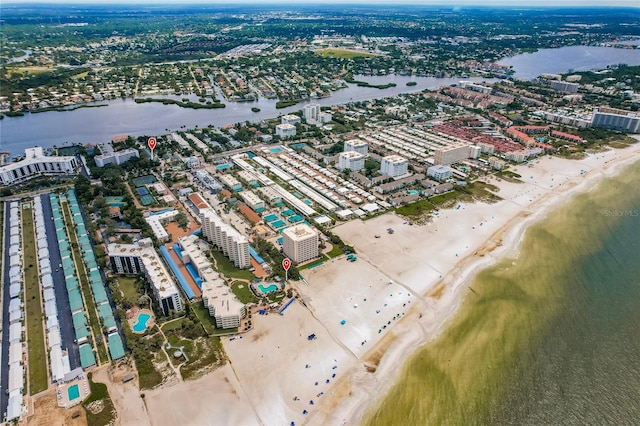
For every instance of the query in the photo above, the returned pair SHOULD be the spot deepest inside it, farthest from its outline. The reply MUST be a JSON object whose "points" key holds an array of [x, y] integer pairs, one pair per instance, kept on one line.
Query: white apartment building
{"points": [[311, 112], [231, 182], [35, 163], [222, 304], [116, 157], [563, 86], [142, 257], [469, 85], [440, 173], [252, 200], [394, 166], [451, 154], [285, 130], [351, 160], [228, 240], [325, 117], [475, 151], [300, 243], [357, 145], [291, 119]]}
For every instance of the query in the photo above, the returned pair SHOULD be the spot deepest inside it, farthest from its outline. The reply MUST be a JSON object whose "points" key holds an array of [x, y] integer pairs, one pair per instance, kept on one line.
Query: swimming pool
{"points": [[275, 150], [73, 392], [267, 289], [295, 218], [413, 192], [223, 166], [278, 224], [288, 212], [141, 325]]}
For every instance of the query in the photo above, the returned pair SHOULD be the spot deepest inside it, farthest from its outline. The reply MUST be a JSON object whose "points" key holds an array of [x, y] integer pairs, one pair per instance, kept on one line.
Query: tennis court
{"points": [[115, 201], [294, 219], [147, 199], [144, 180], [270, 217], [142, 191]]}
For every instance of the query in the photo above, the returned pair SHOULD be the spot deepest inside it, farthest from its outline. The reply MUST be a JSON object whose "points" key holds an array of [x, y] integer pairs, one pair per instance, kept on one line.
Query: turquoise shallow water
{"points": [[548, 338]]}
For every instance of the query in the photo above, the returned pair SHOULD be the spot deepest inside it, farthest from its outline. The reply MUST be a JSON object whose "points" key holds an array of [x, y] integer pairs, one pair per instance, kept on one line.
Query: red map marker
{"points": [[286, 263], [152, 143]]}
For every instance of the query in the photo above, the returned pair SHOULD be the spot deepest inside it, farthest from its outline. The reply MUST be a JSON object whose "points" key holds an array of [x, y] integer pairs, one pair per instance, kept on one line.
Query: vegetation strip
{"points": [[37, 361], [99, 406]]}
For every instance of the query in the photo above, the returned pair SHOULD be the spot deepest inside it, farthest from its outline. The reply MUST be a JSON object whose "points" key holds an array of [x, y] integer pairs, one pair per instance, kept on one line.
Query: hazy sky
{"points": [[628, 3]]}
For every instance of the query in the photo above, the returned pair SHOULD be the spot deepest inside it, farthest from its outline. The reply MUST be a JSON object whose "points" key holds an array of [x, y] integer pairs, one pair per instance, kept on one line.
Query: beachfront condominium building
{"points": [[285, 130], [453, 153], [300, 243], [35, 163], [440, 173], [351, 160], [394, 166], [222, 304], [311, 112], [116, 157], [616, 119], [141, 257], [357, 145], [229, 241]]}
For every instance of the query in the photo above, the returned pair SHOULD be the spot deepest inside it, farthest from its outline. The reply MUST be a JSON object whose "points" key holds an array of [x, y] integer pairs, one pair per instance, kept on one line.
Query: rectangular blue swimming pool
{"points": [[73, 392]]}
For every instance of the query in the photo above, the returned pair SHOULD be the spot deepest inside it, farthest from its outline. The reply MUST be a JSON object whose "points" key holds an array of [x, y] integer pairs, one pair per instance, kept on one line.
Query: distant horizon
{"points": [[459, 3]]}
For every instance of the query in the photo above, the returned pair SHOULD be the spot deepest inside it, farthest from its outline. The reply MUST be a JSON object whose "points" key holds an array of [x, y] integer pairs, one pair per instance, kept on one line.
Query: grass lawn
{"points": [[203, 315], [176, 342], [202, 353], [509, 176], [208, 322], [314, 263], [343, 53], [482, 191], [107, 415], [443, 200], [89, 303], [416, 209], [173, 325], [30, 70], [128, 287], [38, 380], [226, 267], [243, 292], [335, 252]]}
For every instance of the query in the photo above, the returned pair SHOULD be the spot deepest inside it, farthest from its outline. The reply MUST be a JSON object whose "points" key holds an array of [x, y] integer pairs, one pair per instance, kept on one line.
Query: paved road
{"points": [[4, 369], [62, 297]]}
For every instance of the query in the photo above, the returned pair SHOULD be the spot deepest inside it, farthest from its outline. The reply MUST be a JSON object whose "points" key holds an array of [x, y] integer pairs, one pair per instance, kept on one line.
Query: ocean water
{"points": [[550, 338]]}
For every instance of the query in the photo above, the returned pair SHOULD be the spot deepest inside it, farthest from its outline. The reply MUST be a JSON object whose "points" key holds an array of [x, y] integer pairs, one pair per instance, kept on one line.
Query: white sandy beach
{"points": [[273, 369]]}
